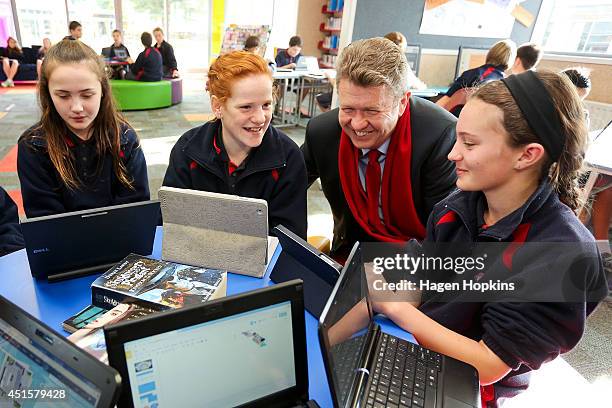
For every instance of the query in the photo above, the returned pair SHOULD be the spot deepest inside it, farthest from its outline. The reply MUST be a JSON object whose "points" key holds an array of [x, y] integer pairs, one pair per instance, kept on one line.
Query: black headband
{"points": [[537, 107]]}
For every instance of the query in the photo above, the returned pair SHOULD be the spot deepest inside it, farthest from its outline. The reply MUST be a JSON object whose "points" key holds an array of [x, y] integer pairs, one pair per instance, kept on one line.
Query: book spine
{"points": [[108, 299]]}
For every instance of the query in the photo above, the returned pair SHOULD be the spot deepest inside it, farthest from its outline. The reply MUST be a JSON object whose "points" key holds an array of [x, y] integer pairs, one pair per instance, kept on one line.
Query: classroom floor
{"points": [[158, 131]]}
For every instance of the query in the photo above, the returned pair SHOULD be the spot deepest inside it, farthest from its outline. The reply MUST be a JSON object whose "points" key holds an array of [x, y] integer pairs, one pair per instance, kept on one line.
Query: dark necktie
{"points": [[373, 174]]}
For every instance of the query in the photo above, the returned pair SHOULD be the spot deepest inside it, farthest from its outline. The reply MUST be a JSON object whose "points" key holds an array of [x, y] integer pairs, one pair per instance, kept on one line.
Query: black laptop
{"points": [[368, 368], [40, 367], [77, 243], [300, 260], [243, 350]]}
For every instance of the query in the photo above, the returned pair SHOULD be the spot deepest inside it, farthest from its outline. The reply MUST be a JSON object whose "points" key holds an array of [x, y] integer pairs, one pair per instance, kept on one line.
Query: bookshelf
{"points": [[330, 27]]}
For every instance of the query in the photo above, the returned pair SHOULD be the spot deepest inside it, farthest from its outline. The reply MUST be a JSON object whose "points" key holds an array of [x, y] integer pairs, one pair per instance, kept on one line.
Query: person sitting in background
{"points": [[580, 77], [601, 193], [498, 59], [76, 31], [148, 65], [117, 44], [252, 44], [117, 71], [13, 56], [528, 56], [288, 58], [42, 51], [10, 233], [170, 69]]}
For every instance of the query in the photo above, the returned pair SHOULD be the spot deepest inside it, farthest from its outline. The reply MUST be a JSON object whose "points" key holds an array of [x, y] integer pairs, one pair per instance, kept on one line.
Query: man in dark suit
{"points": [[382, 156]]}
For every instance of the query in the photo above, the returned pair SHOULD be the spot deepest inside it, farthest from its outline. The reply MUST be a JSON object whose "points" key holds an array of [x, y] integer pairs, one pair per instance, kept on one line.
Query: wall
{"points": [[601, 90], [377, 17], [308, 21]]}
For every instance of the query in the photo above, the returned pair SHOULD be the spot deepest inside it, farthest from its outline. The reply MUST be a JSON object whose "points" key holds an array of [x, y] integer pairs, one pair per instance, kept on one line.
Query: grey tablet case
{"points": [[215, 230]]}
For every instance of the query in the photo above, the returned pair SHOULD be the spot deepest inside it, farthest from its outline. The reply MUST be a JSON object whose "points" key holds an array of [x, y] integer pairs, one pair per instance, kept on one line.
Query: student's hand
{"points": [[292, 65], [130, 60], [175, 74]]}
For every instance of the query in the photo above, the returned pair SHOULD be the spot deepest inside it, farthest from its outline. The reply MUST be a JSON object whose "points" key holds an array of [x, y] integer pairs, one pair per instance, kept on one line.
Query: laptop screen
{"points": [[197, 365], [30, 375], [345, 326]]}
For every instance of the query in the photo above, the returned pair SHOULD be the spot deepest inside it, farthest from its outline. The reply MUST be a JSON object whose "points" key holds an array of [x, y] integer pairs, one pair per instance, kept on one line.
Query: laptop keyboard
{"points": [[345, 357], [405, 375]]}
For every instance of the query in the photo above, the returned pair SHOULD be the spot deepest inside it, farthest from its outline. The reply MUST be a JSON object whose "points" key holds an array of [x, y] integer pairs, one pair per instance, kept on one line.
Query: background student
{"points": [[288, 58], [251, 44], [516, 179], [117, 44], [10, 232], [170, 69], [528, 56], [498, 59], [239, 152], [76, 31], [12, 57], [42, 51], [82, 153], [148, 65]]}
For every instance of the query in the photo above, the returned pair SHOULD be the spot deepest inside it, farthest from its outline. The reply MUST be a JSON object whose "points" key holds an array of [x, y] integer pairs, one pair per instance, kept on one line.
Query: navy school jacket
{"points": [[476, 76], [10, 232], [148, 65], [44, 193], [274, 171], [523, 335]]}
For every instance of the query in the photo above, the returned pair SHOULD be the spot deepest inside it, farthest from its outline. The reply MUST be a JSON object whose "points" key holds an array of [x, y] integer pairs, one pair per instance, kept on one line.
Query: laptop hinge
{"points": [[366, 364], [80, 272]]}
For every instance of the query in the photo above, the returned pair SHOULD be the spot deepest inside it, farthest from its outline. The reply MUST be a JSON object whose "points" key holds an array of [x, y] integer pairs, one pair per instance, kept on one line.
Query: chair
{"points": [[323, 244]]}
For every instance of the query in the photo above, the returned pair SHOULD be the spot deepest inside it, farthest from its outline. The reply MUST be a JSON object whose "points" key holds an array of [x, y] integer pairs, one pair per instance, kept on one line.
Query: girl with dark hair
{"points": [[520, 145], [82, 154], [240, 152], [13, 56]]}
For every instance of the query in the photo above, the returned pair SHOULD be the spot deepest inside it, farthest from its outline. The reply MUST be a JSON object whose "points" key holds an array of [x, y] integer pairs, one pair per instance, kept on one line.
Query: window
{"points": [[98, 20], [575, 27], [38, 20]]}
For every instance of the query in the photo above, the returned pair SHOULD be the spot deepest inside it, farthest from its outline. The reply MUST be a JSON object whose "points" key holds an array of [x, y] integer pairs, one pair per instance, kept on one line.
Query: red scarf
{"points": [[401, 222]]}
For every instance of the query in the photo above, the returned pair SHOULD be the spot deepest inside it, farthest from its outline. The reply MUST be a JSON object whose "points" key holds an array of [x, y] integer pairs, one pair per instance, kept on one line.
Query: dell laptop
{"points": [[40, 367], [300, 260], [369, 368], [243, 350], [77, 243]]}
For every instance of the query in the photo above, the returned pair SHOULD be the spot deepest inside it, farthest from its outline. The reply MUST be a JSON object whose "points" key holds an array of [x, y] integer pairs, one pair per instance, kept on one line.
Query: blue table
{"points": [[55, 302]]}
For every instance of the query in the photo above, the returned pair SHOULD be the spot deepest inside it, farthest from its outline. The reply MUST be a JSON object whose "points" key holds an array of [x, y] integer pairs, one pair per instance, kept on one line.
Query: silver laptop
{"points": [[308, 64]]}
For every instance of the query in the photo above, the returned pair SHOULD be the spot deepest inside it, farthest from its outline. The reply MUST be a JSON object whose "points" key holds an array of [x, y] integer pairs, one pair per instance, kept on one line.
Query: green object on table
{"points": [[137, 95]]}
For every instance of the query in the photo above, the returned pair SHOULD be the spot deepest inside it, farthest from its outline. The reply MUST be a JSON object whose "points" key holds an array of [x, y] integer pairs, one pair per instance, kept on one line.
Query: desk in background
{"points": [[54, 302]]}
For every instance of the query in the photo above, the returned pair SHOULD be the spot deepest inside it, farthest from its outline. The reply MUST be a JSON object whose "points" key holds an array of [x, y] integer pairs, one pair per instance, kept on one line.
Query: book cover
{"points": [[91, 337], [157, 284], [82, 318]]}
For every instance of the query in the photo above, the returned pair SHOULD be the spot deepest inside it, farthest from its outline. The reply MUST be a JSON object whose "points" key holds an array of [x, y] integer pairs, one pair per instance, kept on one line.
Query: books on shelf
{"points": [[157, 284]]}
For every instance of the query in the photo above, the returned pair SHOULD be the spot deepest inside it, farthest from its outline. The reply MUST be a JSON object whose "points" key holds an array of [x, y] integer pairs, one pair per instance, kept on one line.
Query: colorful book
{"points": [[91, 337], [82, 318], [157, 284]]}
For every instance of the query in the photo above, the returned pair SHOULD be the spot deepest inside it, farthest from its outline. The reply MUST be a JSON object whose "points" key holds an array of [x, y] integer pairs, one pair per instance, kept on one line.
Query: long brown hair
{"points": [[15, 48], [562, 174], [106, 126]]}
